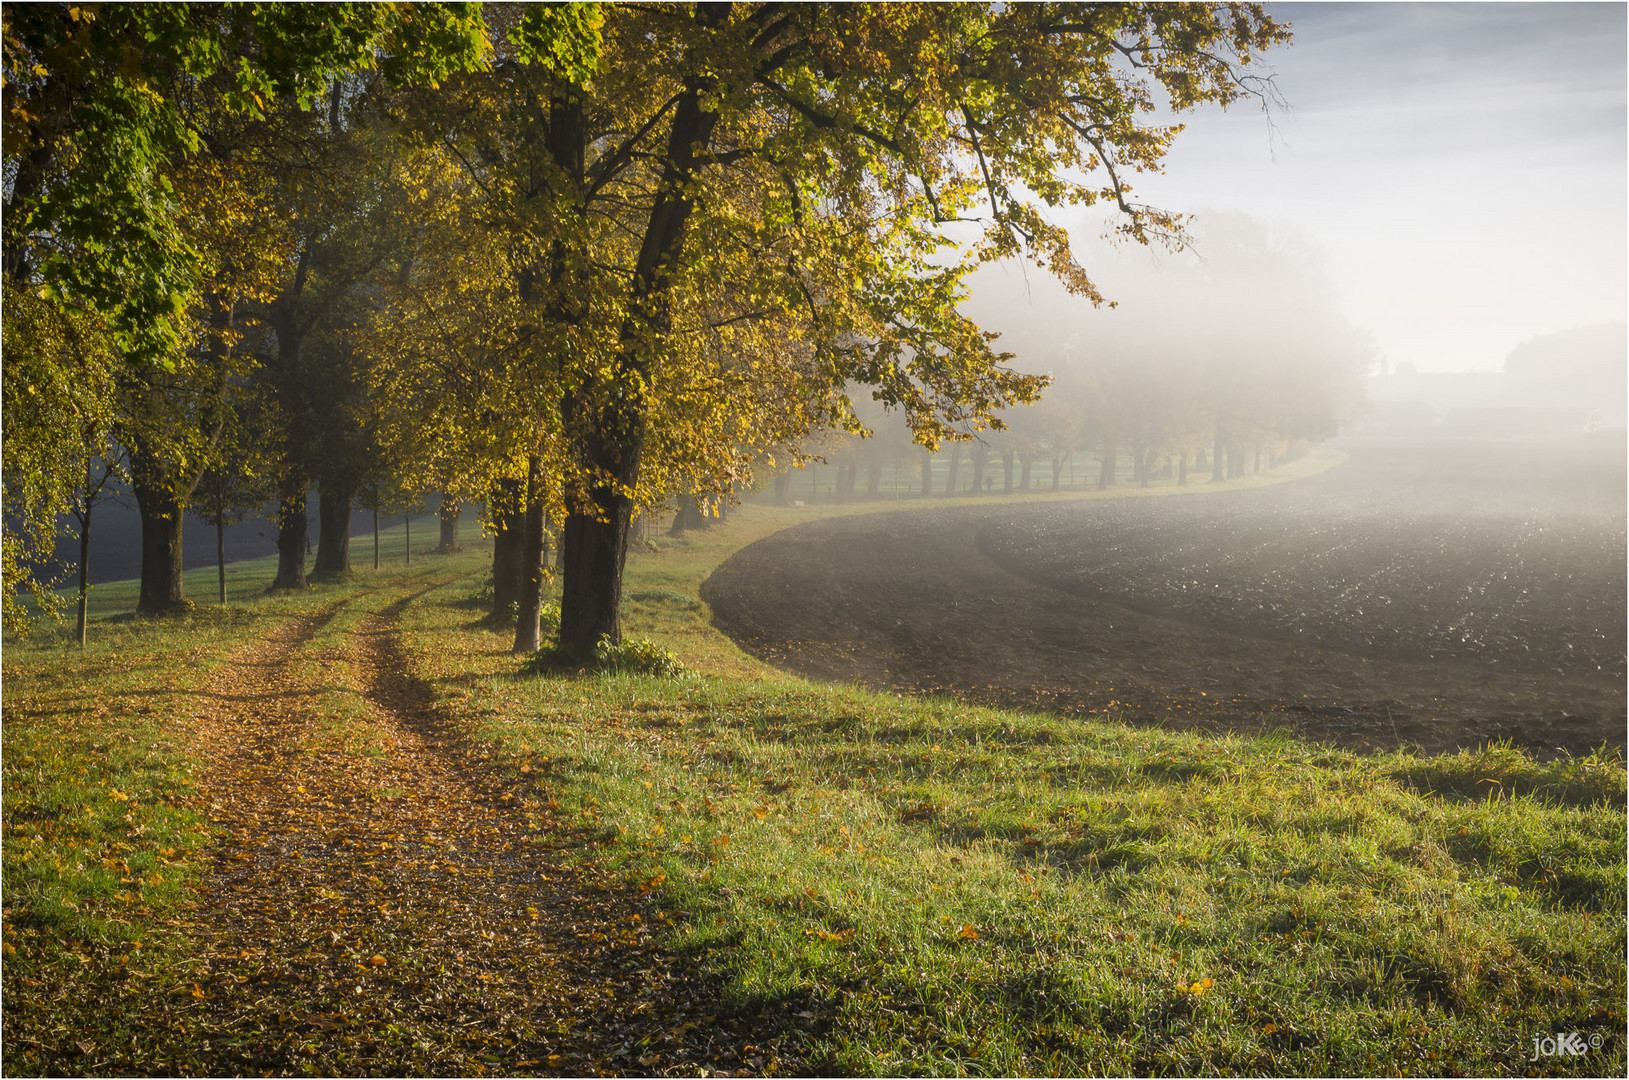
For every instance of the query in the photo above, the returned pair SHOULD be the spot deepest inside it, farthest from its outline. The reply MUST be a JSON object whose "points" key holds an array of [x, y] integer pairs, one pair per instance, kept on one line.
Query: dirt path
{"points": [[385, 902]]}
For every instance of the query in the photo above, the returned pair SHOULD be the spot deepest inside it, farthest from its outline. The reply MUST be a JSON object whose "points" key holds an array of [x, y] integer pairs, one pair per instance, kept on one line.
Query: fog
{"points": [[1460, 166]]}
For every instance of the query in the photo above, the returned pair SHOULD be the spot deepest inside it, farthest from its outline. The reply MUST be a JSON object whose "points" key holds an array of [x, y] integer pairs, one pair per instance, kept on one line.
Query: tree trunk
{"points": [[220, 553], [80, 629], [376, 538], [508, 519], [1107, 466], [161, 589], [688, 516], [333, 562], [1057, 470], [873, 478], [1023, 479], [1218, 455], [981, 458], [783, 488], [450, 511], [607, 422], [607, 425], [593, 553], [407, 534], [528, 628], [955, 467], [1006, 472], [291, 540]]}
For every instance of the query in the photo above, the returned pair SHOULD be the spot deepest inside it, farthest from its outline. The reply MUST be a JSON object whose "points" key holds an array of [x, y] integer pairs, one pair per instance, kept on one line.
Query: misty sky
{"points": [[1461, 167]]}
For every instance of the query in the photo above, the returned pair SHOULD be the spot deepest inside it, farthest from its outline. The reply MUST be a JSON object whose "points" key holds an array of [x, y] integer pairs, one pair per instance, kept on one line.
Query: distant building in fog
{"points": [[1568, 383]]}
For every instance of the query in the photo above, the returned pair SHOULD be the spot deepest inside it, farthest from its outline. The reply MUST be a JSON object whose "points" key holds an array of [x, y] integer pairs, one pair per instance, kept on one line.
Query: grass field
{"points": [[891, 885]]}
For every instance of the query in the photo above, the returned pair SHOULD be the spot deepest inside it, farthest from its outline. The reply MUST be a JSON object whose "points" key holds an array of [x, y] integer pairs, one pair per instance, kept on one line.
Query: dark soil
{"points": [[1432, 595]]}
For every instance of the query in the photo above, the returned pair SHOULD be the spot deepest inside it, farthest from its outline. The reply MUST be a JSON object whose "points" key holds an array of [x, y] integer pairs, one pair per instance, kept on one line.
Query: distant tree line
{"points": [[560, 262], [1233, 356]]}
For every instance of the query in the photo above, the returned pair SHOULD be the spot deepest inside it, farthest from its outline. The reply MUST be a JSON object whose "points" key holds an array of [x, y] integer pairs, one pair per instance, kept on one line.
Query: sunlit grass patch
{"points": [[1500, 771], [100, 804]]}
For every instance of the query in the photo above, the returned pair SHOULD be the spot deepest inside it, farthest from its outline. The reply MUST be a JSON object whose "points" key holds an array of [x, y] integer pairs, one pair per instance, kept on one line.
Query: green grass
{"points": [[951, 889], [910, 885]]}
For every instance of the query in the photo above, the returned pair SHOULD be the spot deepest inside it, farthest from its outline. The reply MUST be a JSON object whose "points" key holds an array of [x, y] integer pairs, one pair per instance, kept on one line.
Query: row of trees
{"points": [[562, 260], [1214, 359]]}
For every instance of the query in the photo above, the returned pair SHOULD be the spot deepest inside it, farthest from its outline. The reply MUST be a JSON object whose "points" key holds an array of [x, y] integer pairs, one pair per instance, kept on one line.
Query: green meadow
{"points": [[888, 885]]}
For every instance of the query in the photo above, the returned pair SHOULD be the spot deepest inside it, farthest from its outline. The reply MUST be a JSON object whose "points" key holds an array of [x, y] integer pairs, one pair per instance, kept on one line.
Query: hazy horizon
{"points": [[1458, 168]]}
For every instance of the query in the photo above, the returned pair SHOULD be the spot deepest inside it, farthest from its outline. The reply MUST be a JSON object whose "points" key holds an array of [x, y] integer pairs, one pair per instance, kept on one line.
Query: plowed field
{"points": [[1431, 595]]}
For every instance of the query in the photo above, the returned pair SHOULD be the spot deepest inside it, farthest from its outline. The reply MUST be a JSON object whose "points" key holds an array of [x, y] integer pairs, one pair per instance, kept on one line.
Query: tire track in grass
{"points": [[386, 902]]}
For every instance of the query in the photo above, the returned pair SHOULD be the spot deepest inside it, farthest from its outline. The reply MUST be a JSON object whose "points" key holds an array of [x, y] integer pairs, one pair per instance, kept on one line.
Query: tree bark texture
{"points": [[333, 561], [291, 539], [80, 629], [595, 553], [449, 513], [608, 428], [688, 516], [161, 515], [508, 521], [220, 554], [528, 624]]}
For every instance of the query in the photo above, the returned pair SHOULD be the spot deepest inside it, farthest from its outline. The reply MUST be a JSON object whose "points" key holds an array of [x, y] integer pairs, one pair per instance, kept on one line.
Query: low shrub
{"points": [[635, 656]]}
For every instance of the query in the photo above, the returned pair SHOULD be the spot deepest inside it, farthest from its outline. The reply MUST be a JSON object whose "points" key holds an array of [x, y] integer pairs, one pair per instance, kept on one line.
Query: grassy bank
{"points": [[935, 888], [896, 886]]}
